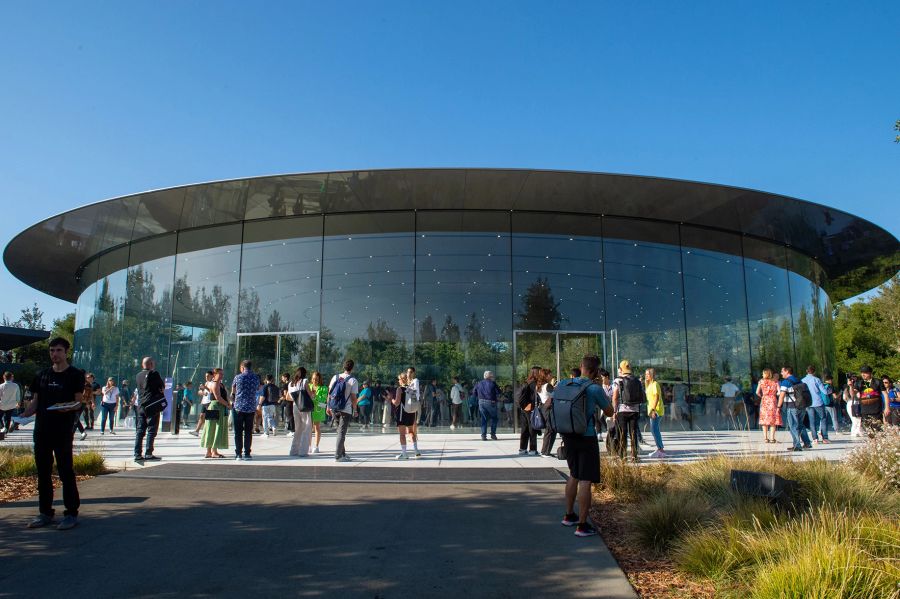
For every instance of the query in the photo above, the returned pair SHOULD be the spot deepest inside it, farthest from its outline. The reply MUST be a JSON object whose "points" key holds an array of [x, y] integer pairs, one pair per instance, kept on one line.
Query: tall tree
{"points": [[539, 310]]}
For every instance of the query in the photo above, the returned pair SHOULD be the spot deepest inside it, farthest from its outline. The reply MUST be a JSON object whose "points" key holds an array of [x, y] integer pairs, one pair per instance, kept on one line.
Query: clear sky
{"points": [[100, 99]]}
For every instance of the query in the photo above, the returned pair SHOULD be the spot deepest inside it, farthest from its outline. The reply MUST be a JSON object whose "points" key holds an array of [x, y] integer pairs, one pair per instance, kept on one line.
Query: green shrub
{"points": [[89, 463], [631, 482], [879, 457], [666, 517], [19, 461], [837, 487]]}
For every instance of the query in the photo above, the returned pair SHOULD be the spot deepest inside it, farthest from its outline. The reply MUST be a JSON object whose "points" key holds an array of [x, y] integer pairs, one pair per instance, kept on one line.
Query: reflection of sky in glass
{"points": [[368, 277], [714, 288], [573, 269], [286, 275], [461, 273], [643, 286]]}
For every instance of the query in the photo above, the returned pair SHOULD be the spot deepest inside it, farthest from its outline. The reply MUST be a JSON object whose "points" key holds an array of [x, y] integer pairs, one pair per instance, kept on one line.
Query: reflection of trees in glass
{"points": [[772, 343], [380, 355], [539, 310]]}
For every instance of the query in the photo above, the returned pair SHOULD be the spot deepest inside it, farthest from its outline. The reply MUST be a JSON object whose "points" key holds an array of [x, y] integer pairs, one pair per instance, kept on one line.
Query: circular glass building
{"points": [[455, 271]]}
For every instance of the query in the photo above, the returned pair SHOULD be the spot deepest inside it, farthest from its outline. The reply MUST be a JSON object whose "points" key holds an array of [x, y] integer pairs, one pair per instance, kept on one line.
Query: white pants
{"points": [[302, 432], [855, 423]]}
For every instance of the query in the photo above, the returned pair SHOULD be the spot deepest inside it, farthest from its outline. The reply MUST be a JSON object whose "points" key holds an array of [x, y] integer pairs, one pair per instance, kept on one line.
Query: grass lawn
{"points": [[681, 531]]}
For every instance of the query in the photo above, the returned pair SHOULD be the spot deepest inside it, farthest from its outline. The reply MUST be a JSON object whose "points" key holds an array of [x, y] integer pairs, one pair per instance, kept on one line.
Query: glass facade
{"points": [[453, 293]]}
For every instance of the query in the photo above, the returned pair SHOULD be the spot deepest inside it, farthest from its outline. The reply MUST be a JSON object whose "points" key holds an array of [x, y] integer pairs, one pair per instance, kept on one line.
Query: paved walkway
{"points": [[146, 537], [440, 449]]}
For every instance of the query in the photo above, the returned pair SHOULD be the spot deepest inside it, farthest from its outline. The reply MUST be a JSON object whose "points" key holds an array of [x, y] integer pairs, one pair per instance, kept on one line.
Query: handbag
{"points": [[538, 421], [306, 403], [561, 452], [211, 414]]}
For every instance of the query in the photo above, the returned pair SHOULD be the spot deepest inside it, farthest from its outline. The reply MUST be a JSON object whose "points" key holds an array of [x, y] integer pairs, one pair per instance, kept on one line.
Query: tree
{"points": [[540, 310], [31, 318], [897, 128]]}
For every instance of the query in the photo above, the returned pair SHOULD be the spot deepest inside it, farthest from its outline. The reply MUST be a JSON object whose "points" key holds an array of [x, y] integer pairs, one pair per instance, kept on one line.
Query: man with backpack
{"points": [[342, 393], [794, 395], [628, 397], [151, 403], [573, 407]]}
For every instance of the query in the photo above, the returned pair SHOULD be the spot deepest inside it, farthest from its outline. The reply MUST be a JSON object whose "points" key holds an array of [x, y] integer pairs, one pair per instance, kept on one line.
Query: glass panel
{"points": [[367, 286], [768, 306], [574, 346], [463, 296], [297, 350], [535, 349], [281, 275], [804, 308], [642, 279], [557, 273], [84, 320], [716, 316], [204, 314], [261, 350], [148, 304], [108, 323]]}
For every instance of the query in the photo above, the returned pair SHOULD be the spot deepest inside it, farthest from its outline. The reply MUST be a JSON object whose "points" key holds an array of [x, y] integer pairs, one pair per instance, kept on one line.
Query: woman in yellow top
{"points": [[655, 410]]}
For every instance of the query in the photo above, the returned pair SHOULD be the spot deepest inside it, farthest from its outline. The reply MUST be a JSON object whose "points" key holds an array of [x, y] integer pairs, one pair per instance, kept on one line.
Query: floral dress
{"points": [[769, 414]]}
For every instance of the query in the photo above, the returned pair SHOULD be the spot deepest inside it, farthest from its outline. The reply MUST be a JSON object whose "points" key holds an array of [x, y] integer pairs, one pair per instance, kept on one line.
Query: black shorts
{"points": [[406, 418], [583, 457]]}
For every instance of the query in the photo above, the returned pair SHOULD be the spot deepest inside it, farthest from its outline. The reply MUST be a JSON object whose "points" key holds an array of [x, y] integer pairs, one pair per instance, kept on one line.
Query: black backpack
{"points": [[568, 411], [802, 396], [632, 392]]}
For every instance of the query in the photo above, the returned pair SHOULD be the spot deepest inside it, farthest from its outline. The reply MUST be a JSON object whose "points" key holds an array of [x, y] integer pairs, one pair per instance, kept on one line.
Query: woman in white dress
{"points": [[300, 393]]}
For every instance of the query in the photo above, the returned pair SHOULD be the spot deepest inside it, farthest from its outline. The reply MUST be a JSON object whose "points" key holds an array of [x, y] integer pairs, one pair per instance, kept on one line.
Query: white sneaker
{"points": [[657, 454], [84, 435], [3, 430], [290, 433], [452, 427], [316, 450], [267, 435], [402, 456]]}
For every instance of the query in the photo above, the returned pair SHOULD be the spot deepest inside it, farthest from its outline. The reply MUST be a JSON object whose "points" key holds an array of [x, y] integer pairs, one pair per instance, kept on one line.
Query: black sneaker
{"points": [[807, 447], [139, 459], [494, 437], [570, 519], [792, 448], [151, 457], [248, 457], [585, 530], [484, 437]]}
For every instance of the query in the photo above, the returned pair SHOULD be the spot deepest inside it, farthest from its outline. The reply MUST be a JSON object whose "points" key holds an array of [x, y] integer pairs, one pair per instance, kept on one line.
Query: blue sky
{"points": [[100, 99]]}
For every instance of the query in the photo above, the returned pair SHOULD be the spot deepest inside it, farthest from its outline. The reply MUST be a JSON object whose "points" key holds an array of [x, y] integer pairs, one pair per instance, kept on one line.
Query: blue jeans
{"points": [[817, 420], [488, 411], [654, 428], [109, 412], [268, 413], [831, 412], [795, 425]]}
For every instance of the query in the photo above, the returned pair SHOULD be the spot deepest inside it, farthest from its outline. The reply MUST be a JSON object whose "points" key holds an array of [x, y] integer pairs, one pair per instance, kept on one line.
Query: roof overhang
{"points": [[855, 253]]}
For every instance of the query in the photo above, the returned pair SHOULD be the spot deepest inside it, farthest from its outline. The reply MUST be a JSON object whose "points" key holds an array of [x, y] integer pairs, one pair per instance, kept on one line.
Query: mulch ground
{"points": [[23, 487], [651, 575]]}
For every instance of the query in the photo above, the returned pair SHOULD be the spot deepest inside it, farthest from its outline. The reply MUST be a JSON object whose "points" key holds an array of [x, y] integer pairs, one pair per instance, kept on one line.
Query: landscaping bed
{"points": [[18, 473], [681, 531]]}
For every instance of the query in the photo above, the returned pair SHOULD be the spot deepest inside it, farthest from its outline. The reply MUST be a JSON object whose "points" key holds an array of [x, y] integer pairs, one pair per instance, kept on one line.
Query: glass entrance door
{"points": [[560, 351], [277, 353]]}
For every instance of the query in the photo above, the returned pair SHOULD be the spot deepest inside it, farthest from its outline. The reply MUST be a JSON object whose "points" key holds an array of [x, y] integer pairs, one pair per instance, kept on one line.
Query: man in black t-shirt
{"points": [[286, 405], [53, 429]]}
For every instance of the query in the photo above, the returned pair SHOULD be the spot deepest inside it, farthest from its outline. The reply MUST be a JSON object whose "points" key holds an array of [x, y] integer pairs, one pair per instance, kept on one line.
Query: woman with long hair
{"points": [[769, 414], [108, 405], [297, 388], [215, 424], [318, 390], [655, 409], [545, 393], [406, 421], [527, 400]]}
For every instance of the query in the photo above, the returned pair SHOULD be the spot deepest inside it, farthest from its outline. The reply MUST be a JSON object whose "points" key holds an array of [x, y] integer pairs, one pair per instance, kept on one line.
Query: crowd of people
{"points": [[63, 399]]}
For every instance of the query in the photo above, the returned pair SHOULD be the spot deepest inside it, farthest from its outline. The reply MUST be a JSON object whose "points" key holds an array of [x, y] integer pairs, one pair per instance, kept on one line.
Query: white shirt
{"points": [[110, 394], [544, 393], [456, 394], [729, 390], [207, 397], [9, 395], [350, 389], [301, 384]]}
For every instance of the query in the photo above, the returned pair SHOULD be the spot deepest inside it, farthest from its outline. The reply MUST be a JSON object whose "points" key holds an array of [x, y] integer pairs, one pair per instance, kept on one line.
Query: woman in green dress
{"points": [[320, 399], [215, 429]]}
